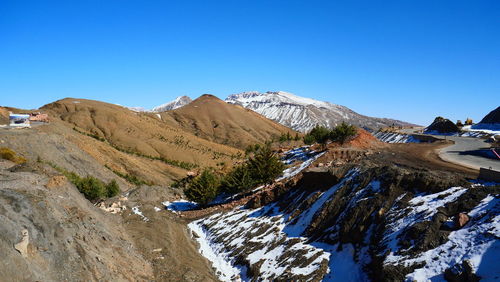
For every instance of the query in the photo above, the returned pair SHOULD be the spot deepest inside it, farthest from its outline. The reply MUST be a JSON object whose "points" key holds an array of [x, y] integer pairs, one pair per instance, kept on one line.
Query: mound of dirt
{"points": [[365, 140], [443, 125], [213, 119]]}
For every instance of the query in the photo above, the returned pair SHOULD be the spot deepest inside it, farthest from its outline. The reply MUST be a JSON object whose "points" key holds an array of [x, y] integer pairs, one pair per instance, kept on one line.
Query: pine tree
{"points": [[204, 188], [342, 132], [265, 166], [239, 179]]}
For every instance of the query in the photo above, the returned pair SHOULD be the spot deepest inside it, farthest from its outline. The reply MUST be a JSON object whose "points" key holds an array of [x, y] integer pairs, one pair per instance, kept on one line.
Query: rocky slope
{"points": [[490, 122], [50, 232], [302, 114], [210, 118], [369, 221]]}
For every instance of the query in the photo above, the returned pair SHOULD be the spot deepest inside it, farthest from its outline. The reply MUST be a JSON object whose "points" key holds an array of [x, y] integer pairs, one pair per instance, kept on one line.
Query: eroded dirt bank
{"points": [[50, 232]]}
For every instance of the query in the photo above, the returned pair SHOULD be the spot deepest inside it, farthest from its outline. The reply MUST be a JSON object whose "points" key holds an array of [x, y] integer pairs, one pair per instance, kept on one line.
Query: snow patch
{"points": [[139, 213], [180, 205]]}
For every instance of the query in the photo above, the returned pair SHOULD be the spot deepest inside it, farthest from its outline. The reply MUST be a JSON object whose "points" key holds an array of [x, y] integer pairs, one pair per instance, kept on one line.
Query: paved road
{"points": [[459, 153]]}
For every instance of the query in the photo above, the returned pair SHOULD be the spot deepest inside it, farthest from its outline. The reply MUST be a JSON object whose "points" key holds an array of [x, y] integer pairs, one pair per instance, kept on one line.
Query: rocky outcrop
{"points": [[388, 223], [442, 125]]}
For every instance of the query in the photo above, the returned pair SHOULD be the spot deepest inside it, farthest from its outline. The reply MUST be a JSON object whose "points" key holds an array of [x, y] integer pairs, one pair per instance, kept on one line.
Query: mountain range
{"points": [[302, 114], [298, 113]]}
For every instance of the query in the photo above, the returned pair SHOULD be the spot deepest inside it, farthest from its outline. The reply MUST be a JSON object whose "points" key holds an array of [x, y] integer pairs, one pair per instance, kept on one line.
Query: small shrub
{"points": [[112, 188], [309, 139], [92, 188], [8, 154]]}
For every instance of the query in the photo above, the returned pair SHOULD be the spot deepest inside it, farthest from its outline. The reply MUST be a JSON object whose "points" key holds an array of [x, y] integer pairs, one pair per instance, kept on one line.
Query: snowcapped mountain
{"points": [[302, 114], [172, 105], [175, 104]]}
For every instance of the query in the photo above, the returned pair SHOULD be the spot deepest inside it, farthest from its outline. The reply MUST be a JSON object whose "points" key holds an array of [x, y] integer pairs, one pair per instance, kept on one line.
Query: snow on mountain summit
{"points": [[302, 114], [172, 105]]}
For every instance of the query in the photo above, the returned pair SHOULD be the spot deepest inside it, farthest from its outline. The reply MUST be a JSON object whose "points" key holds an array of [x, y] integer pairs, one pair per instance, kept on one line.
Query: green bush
{"points": [[309, 139], [92, 188], [343, 132], [239, 179], [320, 134], [204, 188], [112, 188]]}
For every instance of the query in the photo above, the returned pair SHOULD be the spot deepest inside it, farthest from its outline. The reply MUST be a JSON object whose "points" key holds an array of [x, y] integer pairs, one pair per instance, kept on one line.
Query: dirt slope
{"points": [[50, 232], [138, 133], [215, 120]]}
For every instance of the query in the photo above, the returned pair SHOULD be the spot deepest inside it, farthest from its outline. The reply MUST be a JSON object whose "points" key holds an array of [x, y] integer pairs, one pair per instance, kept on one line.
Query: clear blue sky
{"points": [[410, 60]]}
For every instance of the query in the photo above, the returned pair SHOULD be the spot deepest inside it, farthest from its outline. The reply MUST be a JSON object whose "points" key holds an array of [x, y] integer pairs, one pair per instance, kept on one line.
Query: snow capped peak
{"points": [[172, 105], [274, 96], [301, 113]]}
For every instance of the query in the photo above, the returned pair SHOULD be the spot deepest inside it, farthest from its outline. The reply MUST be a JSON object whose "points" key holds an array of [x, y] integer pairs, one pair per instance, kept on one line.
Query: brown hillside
{"points": [[136, 134], [215, 120], [4, 116]]}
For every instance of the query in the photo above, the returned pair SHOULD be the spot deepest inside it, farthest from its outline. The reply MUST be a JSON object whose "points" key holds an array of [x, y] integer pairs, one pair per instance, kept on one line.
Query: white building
{"points": [[19, 120]]}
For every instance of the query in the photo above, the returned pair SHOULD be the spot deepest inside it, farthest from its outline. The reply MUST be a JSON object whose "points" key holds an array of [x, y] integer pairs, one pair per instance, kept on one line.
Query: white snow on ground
{"points": [[240, 228], [308, 157], [180, 205], [477, 242], [139, 213], [489, 128], [276, 235], [466, 132], [391, 137], [421, 208], [343, 266], [215, 253]]}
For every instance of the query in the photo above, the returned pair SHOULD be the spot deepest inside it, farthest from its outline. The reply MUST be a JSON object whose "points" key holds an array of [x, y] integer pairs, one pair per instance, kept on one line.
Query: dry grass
{"points": [[8, 154], [143, 134], [213, 119]]}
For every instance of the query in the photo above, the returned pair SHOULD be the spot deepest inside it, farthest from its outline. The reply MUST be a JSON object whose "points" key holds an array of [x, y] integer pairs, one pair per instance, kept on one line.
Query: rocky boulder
{"points": [[461, 219]]}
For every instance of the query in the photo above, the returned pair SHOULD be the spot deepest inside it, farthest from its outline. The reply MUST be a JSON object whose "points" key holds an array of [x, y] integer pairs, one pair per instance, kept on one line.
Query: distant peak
{"points": [[172, 105], [208, 96]]}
